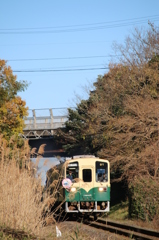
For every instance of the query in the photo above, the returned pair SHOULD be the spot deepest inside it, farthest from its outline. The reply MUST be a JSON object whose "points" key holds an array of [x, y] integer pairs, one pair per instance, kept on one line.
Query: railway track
{"points": [[126, 230]]}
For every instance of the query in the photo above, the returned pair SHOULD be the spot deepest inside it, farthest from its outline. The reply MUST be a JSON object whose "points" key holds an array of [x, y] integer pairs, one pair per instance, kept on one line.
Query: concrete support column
{"points": [[52, 117], [34, 116]]}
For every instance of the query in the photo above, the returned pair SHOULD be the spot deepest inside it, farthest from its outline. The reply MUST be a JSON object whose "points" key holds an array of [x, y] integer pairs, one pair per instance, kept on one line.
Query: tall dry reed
{"points": [[22, 202]]}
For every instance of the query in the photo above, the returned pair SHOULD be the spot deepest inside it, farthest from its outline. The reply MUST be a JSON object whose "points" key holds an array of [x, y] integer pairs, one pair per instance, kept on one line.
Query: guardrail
{"points": [[44, 122], [36, 126]]}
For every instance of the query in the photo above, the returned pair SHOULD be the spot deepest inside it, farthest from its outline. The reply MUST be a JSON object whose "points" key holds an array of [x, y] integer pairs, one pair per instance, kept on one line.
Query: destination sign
{"points": [[72, 165]]}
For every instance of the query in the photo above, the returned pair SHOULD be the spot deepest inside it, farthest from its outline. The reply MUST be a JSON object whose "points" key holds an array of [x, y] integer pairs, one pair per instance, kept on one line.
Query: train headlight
{"points": [[102, 189], [73, 189]]}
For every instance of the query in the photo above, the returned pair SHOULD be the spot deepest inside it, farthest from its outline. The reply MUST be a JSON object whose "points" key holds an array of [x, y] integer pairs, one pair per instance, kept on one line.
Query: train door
{"points": [[102, 194], [87, 184]]}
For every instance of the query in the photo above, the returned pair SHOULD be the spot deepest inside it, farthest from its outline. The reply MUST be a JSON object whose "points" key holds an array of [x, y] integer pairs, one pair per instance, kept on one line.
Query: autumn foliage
{"points": [[12, 108], [120, 120]]}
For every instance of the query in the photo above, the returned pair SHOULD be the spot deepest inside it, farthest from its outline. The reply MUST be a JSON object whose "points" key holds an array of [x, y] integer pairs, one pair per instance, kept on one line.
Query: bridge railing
{"points": [[35, 122]]}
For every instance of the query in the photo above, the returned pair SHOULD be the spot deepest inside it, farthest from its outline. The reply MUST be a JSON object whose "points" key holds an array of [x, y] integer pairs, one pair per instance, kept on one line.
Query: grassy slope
{"points": [[119, 212]]}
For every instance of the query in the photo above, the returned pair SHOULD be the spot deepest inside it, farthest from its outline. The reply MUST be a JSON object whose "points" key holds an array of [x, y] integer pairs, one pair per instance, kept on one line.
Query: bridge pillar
{"points": [[34, 116], [51, 115]]}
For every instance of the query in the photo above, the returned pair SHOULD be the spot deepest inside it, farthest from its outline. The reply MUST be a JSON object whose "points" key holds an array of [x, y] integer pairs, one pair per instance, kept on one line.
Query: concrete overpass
{"points": [[43, 125], [40, 127]]}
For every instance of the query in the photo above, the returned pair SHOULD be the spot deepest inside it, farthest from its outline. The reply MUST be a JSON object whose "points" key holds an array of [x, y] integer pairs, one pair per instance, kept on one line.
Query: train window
{"points": [[72, 171], [87, 175], [101, 171]]}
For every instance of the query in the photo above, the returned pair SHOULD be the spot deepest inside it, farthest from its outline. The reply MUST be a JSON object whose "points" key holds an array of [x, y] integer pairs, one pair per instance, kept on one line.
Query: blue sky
{"points": [[55, 36]]}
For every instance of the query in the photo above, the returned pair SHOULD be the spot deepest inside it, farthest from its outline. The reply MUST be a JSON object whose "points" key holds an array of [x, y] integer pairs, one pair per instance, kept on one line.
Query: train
{"points": [[85, 185]]}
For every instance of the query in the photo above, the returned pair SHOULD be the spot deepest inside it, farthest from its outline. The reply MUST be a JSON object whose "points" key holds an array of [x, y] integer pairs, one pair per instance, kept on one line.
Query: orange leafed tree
{"points": [[13, 109]]}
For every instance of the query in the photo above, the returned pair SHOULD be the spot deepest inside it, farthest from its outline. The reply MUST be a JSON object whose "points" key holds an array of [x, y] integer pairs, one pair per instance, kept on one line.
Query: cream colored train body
{"points": [[90, 188]]}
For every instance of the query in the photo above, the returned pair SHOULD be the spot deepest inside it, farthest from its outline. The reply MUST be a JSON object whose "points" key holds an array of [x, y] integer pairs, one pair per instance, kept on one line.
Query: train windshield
{"points": [[101, 171], [72, 171], [87, 175]]}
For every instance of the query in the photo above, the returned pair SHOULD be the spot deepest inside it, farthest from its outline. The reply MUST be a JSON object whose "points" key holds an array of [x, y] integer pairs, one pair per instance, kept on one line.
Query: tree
{"points": [[13, 109], [120, 119]]}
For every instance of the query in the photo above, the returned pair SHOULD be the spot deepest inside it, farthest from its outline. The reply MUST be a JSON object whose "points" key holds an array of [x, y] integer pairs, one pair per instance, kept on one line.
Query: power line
{"points": [[59, 70], [79, 25], [54, 43], [60, 58], [84, 27]]}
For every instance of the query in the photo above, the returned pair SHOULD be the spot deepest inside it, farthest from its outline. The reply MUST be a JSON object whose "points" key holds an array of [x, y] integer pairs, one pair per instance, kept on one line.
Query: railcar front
{"points": [[87, 185]]}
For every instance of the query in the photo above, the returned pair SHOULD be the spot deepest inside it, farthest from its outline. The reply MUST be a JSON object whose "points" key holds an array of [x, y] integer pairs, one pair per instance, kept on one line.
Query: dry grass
{"points": [[20, 198], [20, 192], [23, 205]]}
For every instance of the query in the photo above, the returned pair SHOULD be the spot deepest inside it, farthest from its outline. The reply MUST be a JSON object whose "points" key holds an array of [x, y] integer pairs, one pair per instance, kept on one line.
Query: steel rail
{"points": [[126, 230]]}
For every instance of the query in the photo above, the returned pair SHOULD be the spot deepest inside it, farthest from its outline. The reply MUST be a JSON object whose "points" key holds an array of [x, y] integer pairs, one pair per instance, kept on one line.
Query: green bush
{"points": [[143, 199]]}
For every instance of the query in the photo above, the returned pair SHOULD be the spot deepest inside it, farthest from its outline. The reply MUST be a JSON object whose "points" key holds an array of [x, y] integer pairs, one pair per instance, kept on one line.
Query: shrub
{"points": [[143, 198]]}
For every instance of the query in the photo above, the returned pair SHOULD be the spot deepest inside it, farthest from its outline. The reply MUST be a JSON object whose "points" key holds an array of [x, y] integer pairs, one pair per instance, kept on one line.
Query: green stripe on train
{"points": [[92, 195]]}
